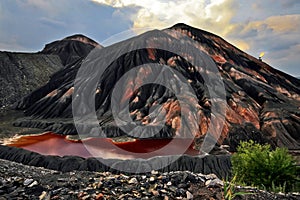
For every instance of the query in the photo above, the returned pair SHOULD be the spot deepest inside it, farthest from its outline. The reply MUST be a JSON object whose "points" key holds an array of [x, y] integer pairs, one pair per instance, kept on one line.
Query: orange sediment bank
{"points": [[53, 144]]}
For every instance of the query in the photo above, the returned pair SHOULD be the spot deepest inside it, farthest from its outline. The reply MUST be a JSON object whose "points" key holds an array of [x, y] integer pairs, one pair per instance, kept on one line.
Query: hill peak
{"points": [[83, 39], [71, 48]]}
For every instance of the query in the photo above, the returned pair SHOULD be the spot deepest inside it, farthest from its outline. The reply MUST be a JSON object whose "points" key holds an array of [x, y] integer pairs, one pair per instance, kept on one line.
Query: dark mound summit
{"points": [[71, 49], [262, 103], [83, 39]]}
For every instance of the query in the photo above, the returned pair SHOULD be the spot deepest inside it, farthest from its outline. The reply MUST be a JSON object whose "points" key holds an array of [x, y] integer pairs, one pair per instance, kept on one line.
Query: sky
{"points": [[256, 26]]}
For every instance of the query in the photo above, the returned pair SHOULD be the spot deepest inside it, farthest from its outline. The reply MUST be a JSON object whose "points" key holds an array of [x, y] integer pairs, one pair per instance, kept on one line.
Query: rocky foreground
{"points": [[19, 181]]}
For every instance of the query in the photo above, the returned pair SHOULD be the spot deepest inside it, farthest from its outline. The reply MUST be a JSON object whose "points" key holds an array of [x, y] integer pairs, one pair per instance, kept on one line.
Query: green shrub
{"points": [[257, 165]]}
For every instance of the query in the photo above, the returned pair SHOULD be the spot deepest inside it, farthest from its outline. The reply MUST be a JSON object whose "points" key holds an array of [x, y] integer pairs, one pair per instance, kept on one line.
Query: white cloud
{"points": [[282, 23], [212, 15]]}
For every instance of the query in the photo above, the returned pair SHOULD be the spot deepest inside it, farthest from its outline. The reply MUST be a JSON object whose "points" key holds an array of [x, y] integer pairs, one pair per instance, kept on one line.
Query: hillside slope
{"points": [[21, 73], [262, 103]]}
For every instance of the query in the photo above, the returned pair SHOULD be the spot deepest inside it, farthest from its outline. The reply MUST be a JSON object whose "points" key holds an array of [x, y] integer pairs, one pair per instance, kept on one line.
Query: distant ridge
{"points": [[22, 73]]}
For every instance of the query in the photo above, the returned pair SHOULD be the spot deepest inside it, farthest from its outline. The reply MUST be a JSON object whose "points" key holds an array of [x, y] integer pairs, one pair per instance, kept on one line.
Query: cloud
{"points": [[212, 15], [287, 59], [242, 45], [262, 33], [39, 4], [273, 34], [11, 45], [27, 25], [289, 3], [1, 12], [52, 22], [283, 23], [50, 7], [277, 36]]}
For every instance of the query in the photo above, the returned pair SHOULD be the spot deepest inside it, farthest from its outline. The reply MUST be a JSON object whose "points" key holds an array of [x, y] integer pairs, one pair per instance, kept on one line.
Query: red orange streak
{"points": [[53, 144]]}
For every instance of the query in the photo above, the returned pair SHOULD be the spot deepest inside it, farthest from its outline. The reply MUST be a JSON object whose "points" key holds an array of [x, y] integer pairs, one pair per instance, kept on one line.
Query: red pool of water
{"points": [[53, 144]]}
